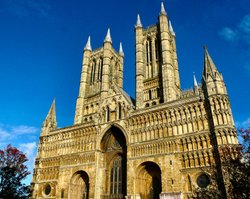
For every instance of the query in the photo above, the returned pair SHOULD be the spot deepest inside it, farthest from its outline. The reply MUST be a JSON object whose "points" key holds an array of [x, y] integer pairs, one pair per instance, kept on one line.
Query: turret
{"points": [[175, 60], [139, 62], [196, 87], [107, 47], [50, 123], [212, 80], [120, 69], [83, 80], [170, 74]]}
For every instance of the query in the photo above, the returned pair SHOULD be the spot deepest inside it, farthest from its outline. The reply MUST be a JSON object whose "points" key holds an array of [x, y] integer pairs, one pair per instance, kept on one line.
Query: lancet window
{"points": [[116, 177], [152, 57]]}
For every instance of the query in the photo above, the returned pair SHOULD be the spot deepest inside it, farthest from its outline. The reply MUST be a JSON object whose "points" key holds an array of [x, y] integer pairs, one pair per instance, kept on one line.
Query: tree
{"points": [[236, 172], [12, 172]]}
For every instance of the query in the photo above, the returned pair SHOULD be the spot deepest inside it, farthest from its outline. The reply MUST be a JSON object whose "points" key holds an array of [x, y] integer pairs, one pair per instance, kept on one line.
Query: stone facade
{"points": [[157, 146]]}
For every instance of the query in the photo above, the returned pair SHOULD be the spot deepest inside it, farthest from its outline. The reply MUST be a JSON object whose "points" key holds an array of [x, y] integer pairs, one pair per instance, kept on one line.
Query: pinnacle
{"points": [[138, 22], [50, 120], [195, 81], [209, 66], [163, 11], [171, 28], [108, 37], [121, 50], [88, 45]]}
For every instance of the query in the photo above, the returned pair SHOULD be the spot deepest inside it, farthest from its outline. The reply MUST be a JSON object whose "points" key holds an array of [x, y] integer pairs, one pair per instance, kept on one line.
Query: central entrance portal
{"points": [[115, 158]]}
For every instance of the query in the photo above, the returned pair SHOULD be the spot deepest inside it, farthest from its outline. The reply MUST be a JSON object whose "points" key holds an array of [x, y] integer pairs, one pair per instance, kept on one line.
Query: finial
{"points": [[171, 28], [121, 50], [138, 22], [163, 11], [195, 81], [88, 45], [108, 37]]}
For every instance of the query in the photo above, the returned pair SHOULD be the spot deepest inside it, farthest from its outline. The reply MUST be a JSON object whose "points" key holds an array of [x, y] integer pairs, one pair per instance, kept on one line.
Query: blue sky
{"points": [[42, 41]]}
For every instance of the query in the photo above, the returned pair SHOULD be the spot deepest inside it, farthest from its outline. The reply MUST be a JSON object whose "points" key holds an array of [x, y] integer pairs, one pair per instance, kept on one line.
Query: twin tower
{"points": [[160, 145], [157, 73]]}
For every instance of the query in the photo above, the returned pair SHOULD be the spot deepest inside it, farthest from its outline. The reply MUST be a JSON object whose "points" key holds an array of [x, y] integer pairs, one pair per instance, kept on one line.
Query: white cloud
{"points": [[228, 34], [14, 134], [243, 124], [28, 148], [241, 32], [4, 134], [245, 24], [246, 123], [23, 129]]}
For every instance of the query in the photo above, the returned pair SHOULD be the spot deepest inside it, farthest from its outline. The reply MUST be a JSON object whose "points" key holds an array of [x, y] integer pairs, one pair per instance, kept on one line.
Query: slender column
{"points": [[153, 57], [167, 65], [139, 64], [106, 64], [83, 83]]}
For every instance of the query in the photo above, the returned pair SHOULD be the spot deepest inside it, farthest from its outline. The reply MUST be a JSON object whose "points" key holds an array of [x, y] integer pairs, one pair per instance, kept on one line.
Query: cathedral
{"points": [[156, 146]]}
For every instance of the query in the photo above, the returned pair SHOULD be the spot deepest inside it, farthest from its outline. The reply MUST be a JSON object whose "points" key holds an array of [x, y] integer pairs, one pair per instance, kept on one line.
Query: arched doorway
{"points": [[79, 186], [113, 145], [148, 181]]}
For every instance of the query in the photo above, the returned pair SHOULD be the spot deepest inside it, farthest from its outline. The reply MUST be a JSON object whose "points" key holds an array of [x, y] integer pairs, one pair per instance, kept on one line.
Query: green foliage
{"points": [[236, 172], [12, 172]]}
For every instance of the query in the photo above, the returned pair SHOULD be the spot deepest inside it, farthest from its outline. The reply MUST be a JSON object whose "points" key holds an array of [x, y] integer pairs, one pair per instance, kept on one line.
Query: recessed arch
{"points": [[114, 149], [148, 180], [79, 185]]}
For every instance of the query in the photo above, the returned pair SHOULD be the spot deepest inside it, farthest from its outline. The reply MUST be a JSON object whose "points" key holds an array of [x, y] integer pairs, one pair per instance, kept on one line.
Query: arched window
{"points": [[108, 114], [119, 111], [92, 73], [62, 193], [116, 177], [156, 50], [100, 69], [149, 95]]}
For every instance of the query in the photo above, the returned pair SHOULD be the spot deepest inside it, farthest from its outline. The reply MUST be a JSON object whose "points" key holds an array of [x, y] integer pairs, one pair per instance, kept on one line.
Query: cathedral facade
{"points": [[156, 146]]}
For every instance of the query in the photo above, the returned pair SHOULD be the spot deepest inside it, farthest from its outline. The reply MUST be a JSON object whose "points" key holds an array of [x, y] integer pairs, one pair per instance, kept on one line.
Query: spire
{"points": [[195, 81], [88, 45], [163, 11], [108, 37], [121, 50], [209, 66], [171, 28], [138, 22], [50, 120]]}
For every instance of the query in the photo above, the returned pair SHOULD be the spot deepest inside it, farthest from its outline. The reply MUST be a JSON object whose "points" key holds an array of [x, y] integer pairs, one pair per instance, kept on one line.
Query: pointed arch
{"points": [[79, 185]]}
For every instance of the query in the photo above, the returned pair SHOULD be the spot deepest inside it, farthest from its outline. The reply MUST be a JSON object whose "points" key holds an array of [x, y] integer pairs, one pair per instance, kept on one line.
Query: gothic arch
{"points": [[79, 185], [148, 180], [110, 126], [114, 149]]}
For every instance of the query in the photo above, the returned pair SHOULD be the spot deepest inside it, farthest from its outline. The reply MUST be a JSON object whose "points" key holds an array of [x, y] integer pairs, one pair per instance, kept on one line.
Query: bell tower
{"points": [[101, 69], [157, 73]]}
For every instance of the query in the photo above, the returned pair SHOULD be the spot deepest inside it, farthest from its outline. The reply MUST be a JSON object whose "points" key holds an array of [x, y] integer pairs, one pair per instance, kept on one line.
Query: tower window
{"points": [[100, 69], [119, 111], [149, 95], [156, 50], [150, 51], [108, 114]]}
